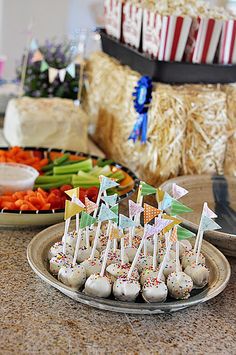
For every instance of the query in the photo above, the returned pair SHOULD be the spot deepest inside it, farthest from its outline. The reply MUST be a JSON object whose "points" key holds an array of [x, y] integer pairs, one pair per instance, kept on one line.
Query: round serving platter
{"points": [[22, 219], [37, 252], [220, 194]]}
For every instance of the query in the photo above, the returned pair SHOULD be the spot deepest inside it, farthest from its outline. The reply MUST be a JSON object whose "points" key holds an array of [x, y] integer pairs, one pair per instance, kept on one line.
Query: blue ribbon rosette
{"points": [[142, 98]]}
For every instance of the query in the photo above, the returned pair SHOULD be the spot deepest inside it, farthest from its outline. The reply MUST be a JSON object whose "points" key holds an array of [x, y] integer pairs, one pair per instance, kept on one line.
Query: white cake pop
{"points": [[184, 246], [58, 261], [72, 275], [144, 262], [126, 289], [102, 242], [57, 248], [189, 258], [199, 274], [92, 266], [170, 267], [116, 270], [98, 286], [70, 238], [179, 285], [84, 254], [150, 273], [154, 290], [114, 257]]}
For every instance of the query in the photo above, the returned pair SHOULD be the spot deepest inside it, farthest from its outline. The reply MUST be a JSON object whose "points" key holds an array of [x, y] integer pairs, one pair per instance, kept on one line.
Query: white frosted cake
{"points": [[46, 122]]}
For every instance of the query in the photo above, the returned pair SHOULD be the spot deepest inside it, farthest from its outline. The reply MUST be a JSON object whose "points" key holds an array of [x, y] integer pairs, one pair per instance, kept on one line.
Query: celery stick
{"points": [[96, 171], [54, 178], [84, 165], [118, 175], [61, 160], [85, 185], [87, 176], [76, 179], [52, 185]]}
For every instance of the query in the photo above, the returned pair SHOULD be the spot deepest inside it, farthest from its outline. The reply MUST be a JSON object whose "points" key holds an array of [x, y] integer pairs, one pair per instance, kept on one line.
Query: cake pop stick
{"points": [[95, 242], [155, 241], [77, 246], [137, 254], [87, 237], [104, 262], [178, 266], [67, 224], [122, 250], [166, 257]]}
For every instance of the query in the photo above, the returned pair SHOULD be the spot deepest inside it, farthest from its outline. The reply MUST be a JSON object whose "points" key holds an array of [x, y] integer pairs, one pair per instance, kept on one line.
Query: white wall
{"points": [[51, 18]]}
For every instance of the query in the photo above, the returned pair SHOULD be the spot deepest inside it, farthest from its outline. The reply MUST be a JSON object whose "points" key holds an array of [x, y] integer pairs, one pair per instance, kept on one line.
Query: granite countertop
{"points": [[37, 319]]}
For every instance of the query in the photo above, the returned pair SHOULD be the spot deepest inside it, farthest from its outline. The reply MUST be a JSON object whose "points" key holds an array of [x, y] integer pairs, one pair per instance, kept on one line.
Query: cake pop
{"points": [[199, 274], [116, 270], [154, 290], [58, 261], [72, 275], [92, 266], [125, 289], [84, 254], [114, 257], [190, 257], [179, 285], [150, 273], [57, 248], [184, 246], [144, 262], [98, 286]]}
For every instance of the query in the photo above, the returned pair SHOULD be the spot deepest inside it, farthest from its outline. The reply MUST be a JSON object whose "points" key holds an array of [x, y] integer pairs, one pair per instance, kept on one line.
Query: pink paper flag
{"points": [[134, 209], [37, 57], [208, 212], [90, 206], [178, 191]]}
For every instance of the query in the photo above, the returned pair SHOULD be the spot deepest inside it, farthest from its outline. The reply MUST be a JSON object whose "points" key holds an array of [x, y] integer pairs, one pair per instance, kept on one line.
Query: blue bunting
{"points": [[142, 98]]}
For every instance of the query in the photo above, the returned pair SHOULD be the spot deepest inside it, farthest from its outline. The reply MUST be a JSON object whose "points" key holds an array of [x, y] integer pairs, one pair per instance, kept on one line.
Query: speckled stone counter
{"points": [[37, 319]]}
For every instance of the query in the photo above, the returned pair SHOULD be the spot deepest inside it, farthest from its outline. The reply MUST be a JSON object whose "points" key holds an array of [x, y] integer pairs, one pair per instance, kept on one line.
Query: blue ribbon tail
{"points": [[137, 130], [144, 128]]}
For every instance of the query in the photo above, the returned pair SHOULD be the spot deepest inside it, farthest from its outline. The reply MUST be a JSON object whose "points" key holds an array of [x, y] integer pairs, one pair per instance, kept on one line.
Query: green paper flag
{"points": [[44, 66], [178, 208], [147, 189], [184, 233], [115, 209], [86, 220]]}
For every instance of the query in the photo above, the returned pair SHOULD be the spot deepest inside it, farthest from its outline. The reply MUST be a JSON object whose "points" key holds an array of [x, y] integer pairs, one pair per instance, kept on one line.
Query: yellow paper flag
{"points": [[171, 225], [116, 234], [71, 209], [73, 192], [160, 195]]}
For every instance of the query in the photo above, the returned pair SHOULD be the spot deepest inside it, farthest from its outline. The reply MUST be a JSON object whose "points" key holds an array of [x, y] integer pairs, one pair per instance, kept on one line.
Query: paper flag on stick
{"points": [[116, 234], [44, 66], [90, 206], [73, 192], [125, 222], [107, 183], [62, 74], [37, 57], [71, 209], [71, 70], [106, 214], [174, 222], [52, 74], [208, 224], [167, 201], [208, 212], [178, 208], [178, 191], [115, 209], [134, 209], [150, 212], [33, 45], [174, 236], [78, 202], [86, 220], [147, 189], [184, 233], [111, 200], [160, 195], [149, 231]]}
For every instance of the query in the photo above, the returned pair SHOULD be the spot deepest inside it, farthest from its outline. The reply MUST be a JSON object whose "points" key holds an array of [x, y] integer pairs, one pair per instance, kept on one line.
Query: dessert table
{"points": [[36, 318]]}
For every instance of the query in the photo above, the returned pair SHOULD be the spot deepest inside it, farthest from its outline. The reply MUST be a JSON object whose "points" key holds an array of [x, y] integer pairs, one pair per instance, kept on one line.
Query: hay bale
{"points": [[206, 132], [230, 160]]}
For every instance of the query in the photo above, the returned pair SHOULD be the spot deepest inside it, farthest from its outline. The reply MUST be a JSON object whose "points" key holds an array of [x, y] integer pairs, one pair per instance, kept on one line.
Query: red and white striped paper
{"points": [[174, 35], [151, 32], [203, 40], [113, 17], [227, 53], [132, 24]]}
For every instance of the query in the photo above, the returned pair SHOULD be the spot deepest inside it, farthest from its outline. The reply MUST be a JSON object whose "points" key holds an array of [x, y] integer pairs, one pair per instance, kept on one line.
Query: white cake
{"points": [[46, 122]]}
